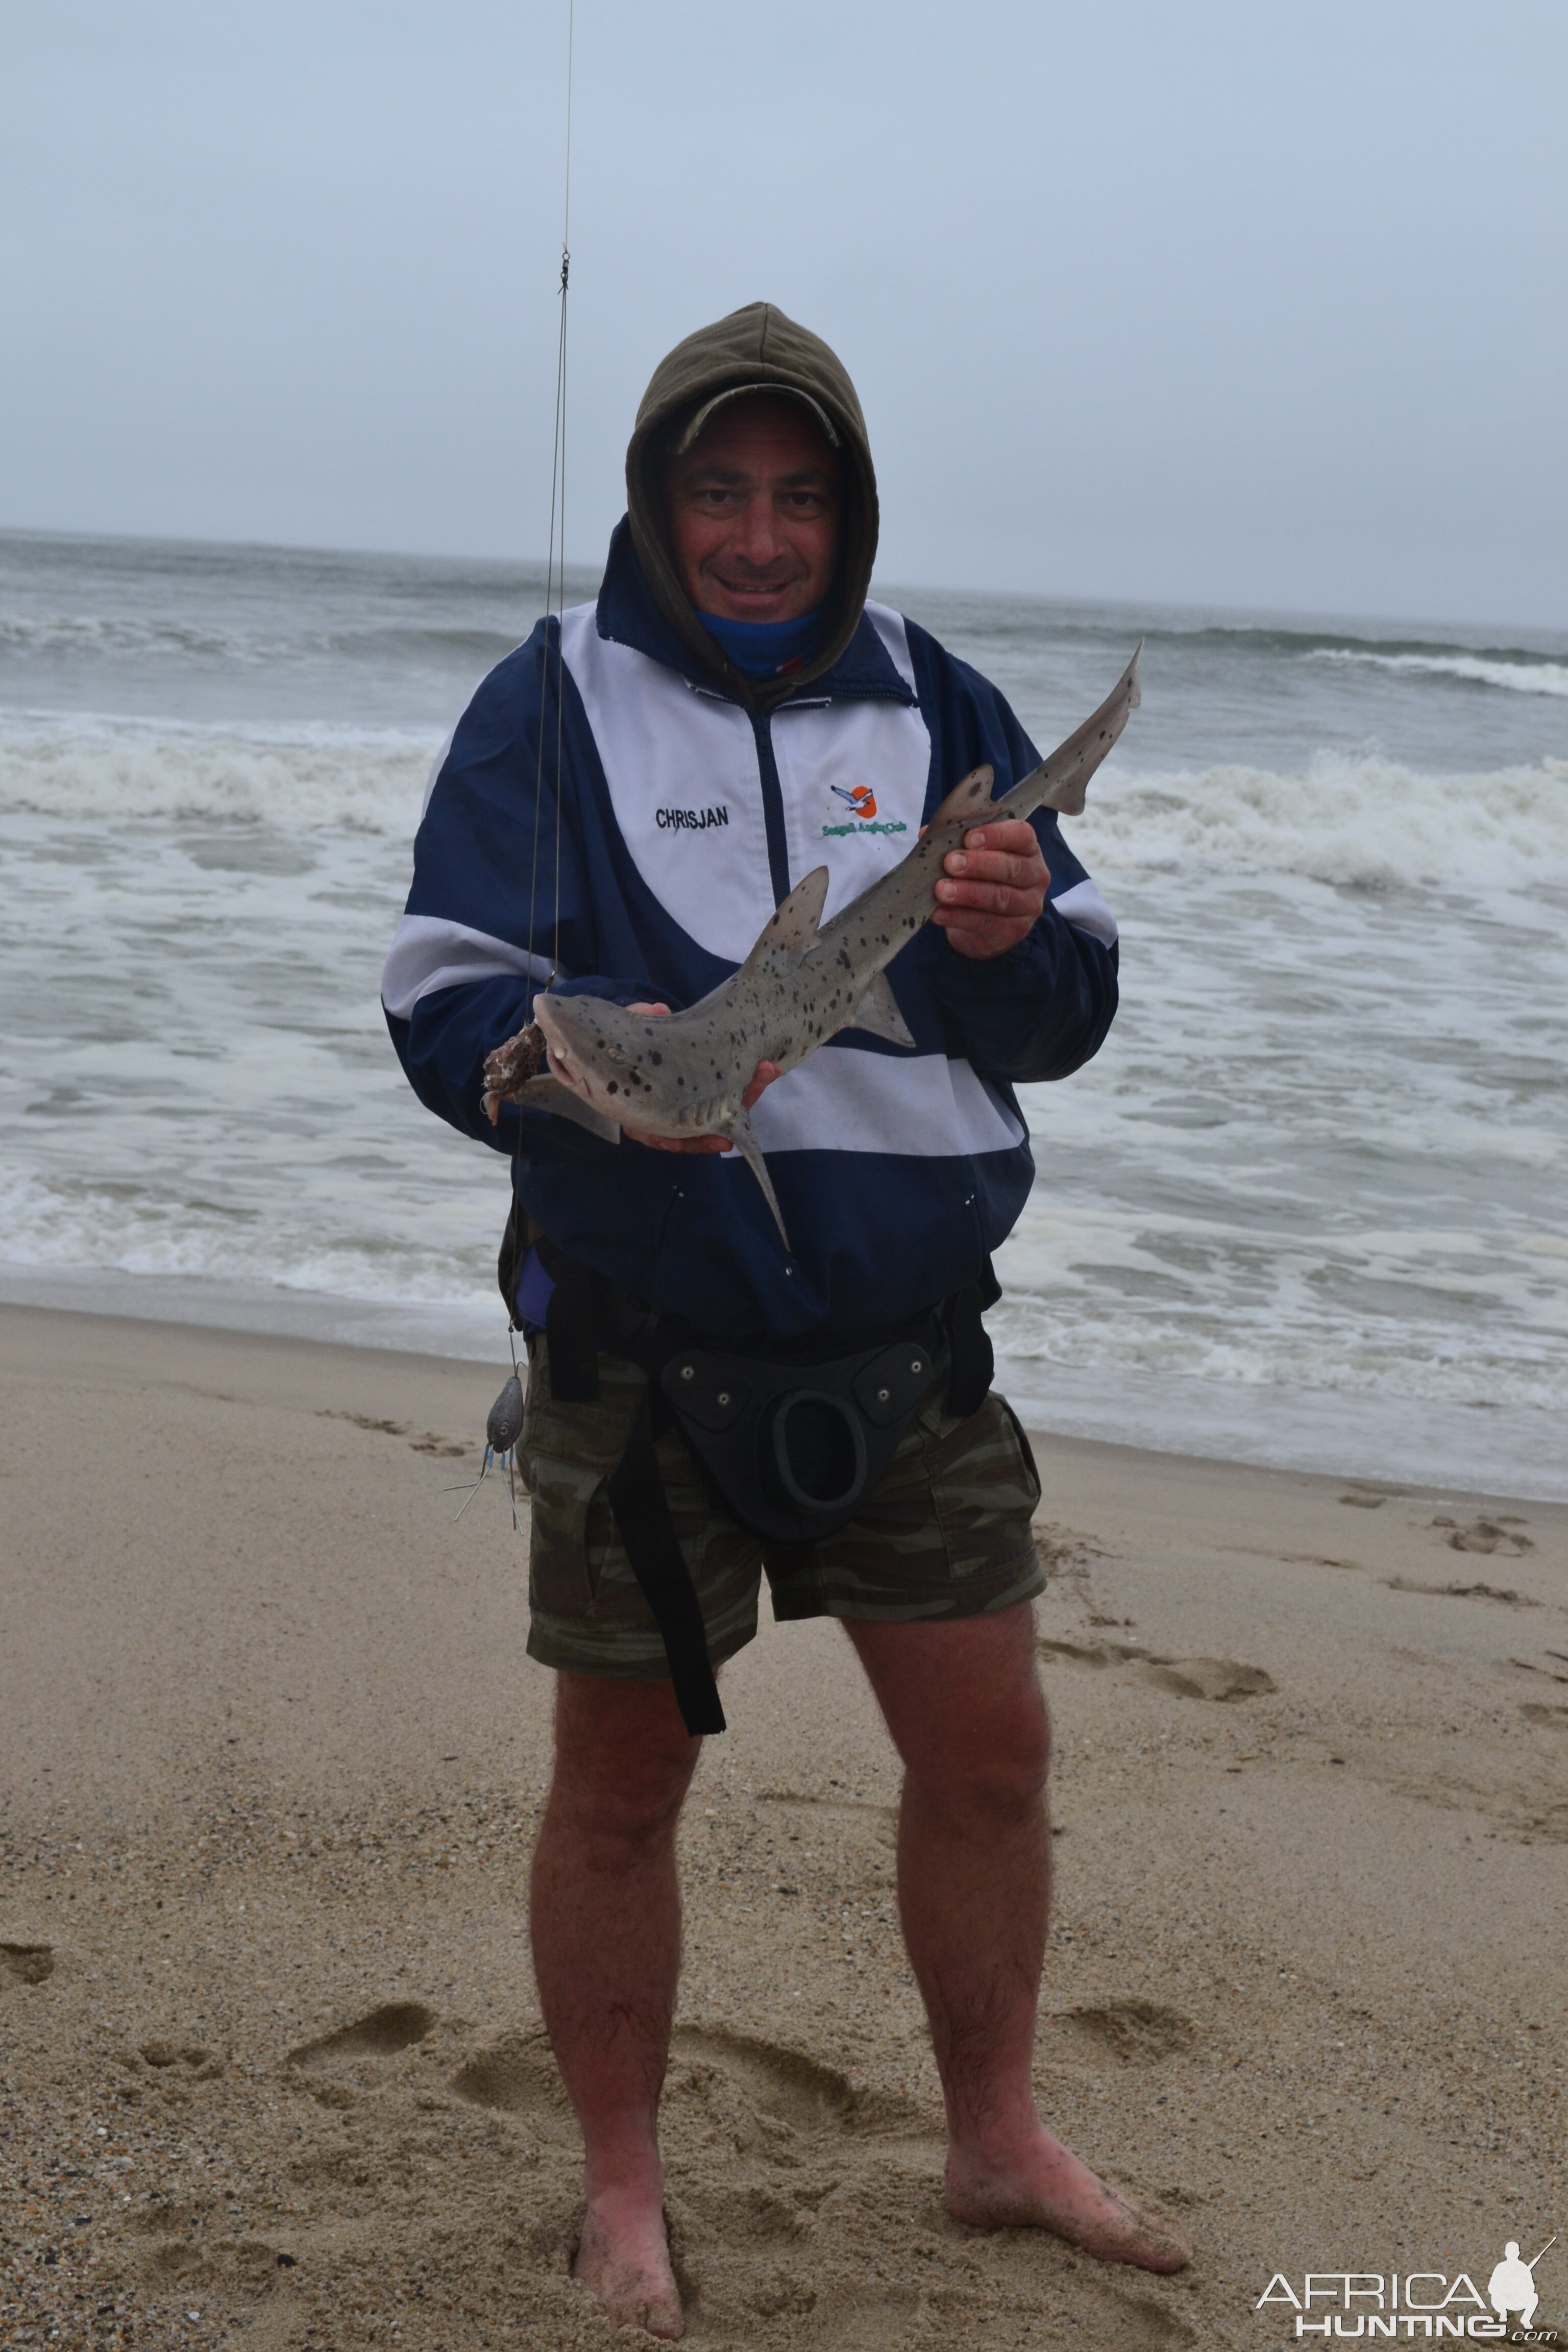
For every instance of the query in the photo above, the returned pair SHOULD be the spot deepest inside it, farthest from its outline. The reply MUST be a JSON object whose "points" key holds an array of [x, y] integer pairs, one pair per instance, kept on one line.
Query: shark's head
{"points": [[605, 1051]]}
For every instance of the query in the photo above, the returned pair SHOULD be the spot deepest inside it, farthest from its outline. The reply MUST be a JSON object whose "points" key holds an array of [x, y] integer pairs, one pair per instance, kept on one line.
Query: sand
{"points": [[270, 2067]]}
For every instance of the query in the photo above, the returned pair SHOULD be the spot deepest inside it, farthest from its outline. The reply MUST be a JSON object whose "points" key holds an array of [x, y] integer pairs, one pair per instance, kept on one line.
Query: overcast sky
{"points": [[1248, 303]]}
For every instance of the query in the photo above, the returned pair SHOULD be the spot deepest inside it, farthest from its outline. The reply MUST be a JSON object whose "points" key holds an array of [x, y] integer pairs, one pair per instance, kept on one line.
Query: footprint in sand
{"points": [[516, 2075], [382, 2033], [1464, 1591], [181, 2058], [1209, 1679], [248, 2264], [1091, 1653], [23, 1963], [1063, 1552], [1129, 2029], [428, 1443], [776, 2080], [1501, 1533]]}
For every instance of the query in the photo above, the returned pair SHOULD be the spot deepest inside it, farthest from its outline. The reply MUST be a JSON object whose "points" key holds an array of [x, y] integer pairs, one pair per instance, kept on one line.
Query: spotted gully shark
{"points": [[685, 1073]]}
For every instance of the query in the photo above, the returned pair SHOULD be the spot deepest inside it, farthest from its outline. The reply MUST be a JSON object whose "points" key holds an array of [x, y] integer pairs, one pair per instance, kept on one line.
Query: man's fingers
{"points": [[762, 1078], [992, 899], [1014, 833], [1024, 872], [993, 890], [681, 1142]]}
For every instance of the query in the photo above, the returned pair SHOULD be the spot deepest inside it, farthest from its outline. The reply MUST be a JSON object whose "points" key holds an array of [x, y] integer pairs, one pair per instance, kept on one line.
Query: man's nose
{"points": [[760, 540]]}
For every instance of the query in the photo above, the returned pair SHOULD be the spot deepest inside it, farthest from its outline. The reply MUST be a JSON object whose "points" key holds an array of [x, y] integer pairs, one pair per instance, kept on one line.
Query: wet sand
{"points": [[271, 2069]]}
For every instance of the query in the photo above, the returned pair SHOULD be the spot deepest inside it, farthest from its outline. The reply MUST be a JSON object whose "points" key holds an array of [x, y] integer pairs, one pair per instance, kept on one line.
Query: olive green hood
{"points": [[756, 346]]}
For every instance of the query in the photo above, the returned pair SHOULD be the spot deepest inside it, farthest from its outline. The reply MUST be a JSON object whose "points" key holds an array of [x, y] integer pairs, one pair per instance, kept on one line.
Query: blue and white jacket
{"points": [[684, 818]]}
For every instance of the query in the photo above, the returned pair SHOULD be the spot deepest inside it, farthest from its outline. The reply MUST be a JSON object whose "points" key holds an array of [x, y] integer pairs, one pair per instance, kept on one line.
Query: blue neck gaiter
{"points": [[764, 648]]}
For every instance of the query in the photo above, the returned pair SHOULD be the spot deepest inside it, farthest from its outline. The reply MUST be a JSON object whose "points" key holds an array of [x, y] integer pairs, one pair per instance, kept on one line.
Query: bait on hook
{"points": [[502, 1429]]}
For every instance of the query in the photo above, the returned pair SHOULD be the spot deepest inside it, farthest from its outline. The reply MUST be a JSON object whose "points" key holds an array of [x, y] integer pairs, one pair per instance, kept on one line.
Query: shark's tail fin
{"points": [[1060, 781]]}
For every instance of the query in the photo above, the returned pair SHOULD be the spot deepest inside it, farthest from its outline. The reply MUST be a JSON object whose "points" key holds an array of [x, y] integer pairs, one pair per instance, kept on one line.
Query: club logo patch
{"points": [[863, 801]]}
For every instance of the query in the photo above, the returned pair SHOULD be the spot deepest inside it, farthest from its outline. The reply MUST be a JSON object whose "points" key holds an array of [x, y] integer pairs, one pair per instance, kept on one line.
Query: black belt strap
{"points": [[641, 1513], [572, 1327]]}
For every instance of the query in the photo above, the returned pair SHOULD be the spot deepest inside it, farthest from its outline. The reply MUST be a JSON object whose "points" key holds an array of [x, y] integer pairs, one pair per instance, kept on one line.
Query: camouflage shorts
{"points": [[944, 1533]]}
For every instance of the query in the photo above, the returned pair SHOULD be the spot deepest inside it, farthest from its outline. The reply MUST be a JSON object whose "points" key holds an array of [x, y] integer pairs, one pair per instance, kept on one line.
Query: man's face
{"points": [[753, 511]]}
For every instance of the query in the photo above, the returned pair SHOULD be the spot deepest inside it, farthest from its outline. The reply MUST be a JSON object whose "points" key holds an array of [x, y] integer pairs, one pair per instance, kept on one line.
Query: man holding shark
{"points": [[777, 1366]]}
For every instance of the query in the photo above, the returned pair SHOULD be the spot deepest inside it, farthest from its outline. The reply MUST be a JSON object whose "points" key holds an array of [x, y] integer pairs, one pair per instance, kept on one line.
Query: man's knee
{"points": [[1002, 1769], [624, 1759], [963, 1702], [991, 1757]]}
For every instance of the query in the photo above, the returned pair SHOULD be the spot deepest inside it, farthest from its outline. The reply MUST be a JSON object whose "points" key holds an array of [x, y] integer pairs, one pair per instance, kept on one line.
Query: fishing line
{"points": [[554, 590], [555, 580], [561, 444]]}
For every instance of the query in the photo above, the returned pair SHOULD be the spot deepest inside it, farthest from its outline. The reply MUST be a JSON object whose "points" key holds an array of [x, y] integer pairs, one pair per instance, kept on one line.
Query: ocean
{"points": [[1307, 1206]]}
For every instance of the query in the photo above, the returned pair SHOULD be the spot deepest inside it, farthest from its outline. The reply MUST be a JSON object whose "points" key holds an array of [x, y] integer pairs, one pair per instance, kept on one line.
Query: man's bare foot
{"points": [[624, 2260], [1041, 2184]]}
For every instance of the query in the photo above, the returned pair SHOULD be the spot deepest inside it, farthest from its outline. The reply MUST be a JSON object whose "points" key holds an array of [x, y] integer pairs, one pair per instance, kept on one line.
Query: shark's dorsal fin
{"points": [[878, 1013], [968, 801], [793, 925]]}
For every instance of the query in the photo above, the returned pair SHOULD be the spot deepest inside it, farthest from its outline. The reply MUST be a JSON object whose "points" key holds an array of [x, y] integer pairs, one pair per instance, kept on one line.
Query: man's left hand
{"points": [[992, 891]]}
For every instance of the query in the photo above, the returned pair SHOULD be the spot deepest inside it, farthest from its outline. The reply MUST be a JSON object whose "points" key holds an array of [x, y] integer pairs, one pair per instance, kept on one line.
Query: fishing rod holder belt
{"points": [[793, 1448]]}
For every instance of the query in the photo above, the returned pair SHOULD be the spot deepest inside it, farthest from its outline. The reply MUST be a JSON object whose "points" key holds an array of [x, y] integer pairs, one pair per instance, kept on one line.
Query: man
{"points": [[622, 808], [1511, 2286]]}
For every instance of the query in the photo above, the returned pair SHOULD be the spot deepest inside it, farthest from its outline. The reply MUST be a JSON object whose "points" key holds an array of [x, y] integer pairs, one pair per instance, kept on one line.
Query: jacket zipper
{"points": [[773, 807], [768, 766]]}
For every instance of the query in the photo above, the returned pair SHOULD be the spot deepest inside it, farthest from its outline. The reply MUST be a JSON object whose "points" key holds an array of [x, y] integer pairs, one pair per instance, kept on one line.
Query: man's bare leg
{"points": [[963, 1703], [605, 1911]]}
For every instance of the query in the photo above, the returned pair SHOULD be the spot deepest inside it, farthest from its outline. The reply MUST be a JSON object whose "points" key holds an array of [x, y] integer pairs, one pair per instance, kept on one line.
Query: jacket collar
{"points": [[627, 614]]}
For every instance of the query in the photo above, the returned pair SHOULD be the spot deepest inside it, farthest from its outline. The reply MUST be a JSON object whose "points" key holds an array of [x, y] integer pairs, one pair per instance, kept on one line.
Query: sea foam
{"points": [[1514, 674], [1364, 821], [300, 778], [1344, 820]]}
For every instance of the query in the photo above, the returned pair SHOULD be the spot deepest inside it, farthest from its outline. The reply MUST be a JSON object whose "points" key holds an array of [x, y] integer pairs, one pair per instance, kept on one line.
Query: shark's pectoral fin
{"points": [[878, 1013], [969, 800], [549, 1093], [743, 1136]]}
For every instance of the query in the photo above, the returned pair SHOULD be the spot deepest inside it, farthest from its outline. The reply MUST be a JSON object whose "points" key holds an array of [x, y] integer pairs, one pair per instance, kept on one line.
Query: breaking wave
{"points": [[1517, 673], [297, 778], [1366, 821], [87, 635]]}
